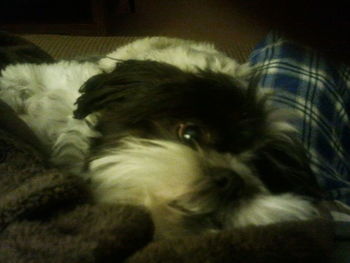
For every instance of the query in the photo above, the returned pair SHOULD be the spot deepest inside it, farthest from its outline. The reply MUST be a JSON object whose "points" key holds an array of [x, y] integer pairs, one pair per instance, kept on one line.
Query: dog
{"points": [[171, 125]]}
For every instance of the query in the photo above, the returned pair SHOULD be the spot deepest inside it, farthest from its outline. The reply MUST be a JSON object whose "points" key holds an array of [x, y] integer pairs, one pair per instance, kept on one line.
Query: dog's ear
{"points": [[97, 92], [130, 78], [284, 166]]}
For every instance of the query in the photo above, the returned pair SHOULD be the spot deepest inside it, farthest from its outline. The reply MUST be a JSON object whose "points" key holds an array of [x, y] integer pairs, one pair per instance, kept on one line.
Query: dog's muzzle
{"points": [[230, 183]]}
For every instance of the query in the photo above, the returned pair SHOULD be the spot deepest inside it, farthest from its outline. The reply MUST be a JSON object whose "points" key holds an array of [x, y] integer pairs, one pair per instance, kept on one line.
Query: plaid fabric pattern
{"points": [[319, 91]]}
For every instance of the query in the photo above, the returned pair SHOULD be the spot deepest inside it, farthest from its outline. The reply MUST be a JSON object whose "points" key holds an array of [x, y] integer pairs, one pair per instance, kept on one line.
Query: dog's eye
{"points": [[190, 133]]}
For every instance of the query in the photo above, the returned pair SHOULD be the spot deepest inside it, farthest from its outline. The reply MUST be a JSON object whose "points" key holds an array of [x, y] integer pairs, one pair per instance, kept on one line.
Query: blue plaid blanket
{"points": [[319, 90]]}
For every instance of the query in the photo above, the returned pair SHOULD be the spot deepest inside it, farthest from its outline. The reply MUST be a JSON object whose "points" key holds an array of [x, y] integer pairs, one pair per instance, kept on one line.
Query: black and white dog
{"points": [[170, 125]]}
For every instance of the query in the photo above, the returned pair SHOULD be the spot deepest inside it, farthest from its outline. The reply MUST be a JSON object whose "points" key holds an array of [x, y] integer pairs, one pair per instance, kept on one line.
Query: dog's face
{"points": [[191, 147]]}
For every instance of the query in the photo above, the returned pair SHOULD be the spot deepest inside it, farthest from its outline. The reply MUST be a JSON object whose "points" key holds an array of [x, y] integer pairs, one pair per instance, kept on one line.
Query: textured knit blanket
{"points": [[47, 215]]}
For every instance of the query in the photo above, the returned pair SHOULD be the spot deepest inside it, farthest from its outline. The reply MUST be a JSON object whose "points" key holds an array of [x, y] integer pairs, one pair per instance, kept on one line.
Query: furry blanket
{"points": [[47, 215]]}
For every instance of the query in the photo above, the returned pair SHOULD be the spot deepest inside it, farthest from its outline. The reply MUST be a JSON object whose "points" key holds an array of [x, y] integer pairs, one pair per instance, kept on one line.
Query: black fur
{"points": [[14, 50], [284, 167], [141, 93], [148, 99]]}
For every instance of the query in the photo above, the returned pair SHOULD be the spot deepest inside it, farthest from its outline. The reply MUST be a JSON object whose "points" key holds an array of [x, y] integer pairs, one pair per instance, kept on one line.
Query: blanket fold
{"points": [[47, 214], [290, 242]]}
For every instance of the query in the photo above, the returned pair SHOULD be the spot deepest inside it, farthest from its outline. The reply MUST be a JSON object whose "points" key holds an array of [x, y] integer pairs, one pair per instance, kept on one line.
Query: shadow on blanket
{"points": [[48, 216]]}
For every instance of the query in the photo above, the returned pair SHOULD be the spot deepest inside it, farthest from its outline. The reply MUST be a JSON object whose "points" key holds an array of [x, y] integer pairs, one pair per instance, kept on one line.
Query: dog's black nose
{"points": [[227, 180]]}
